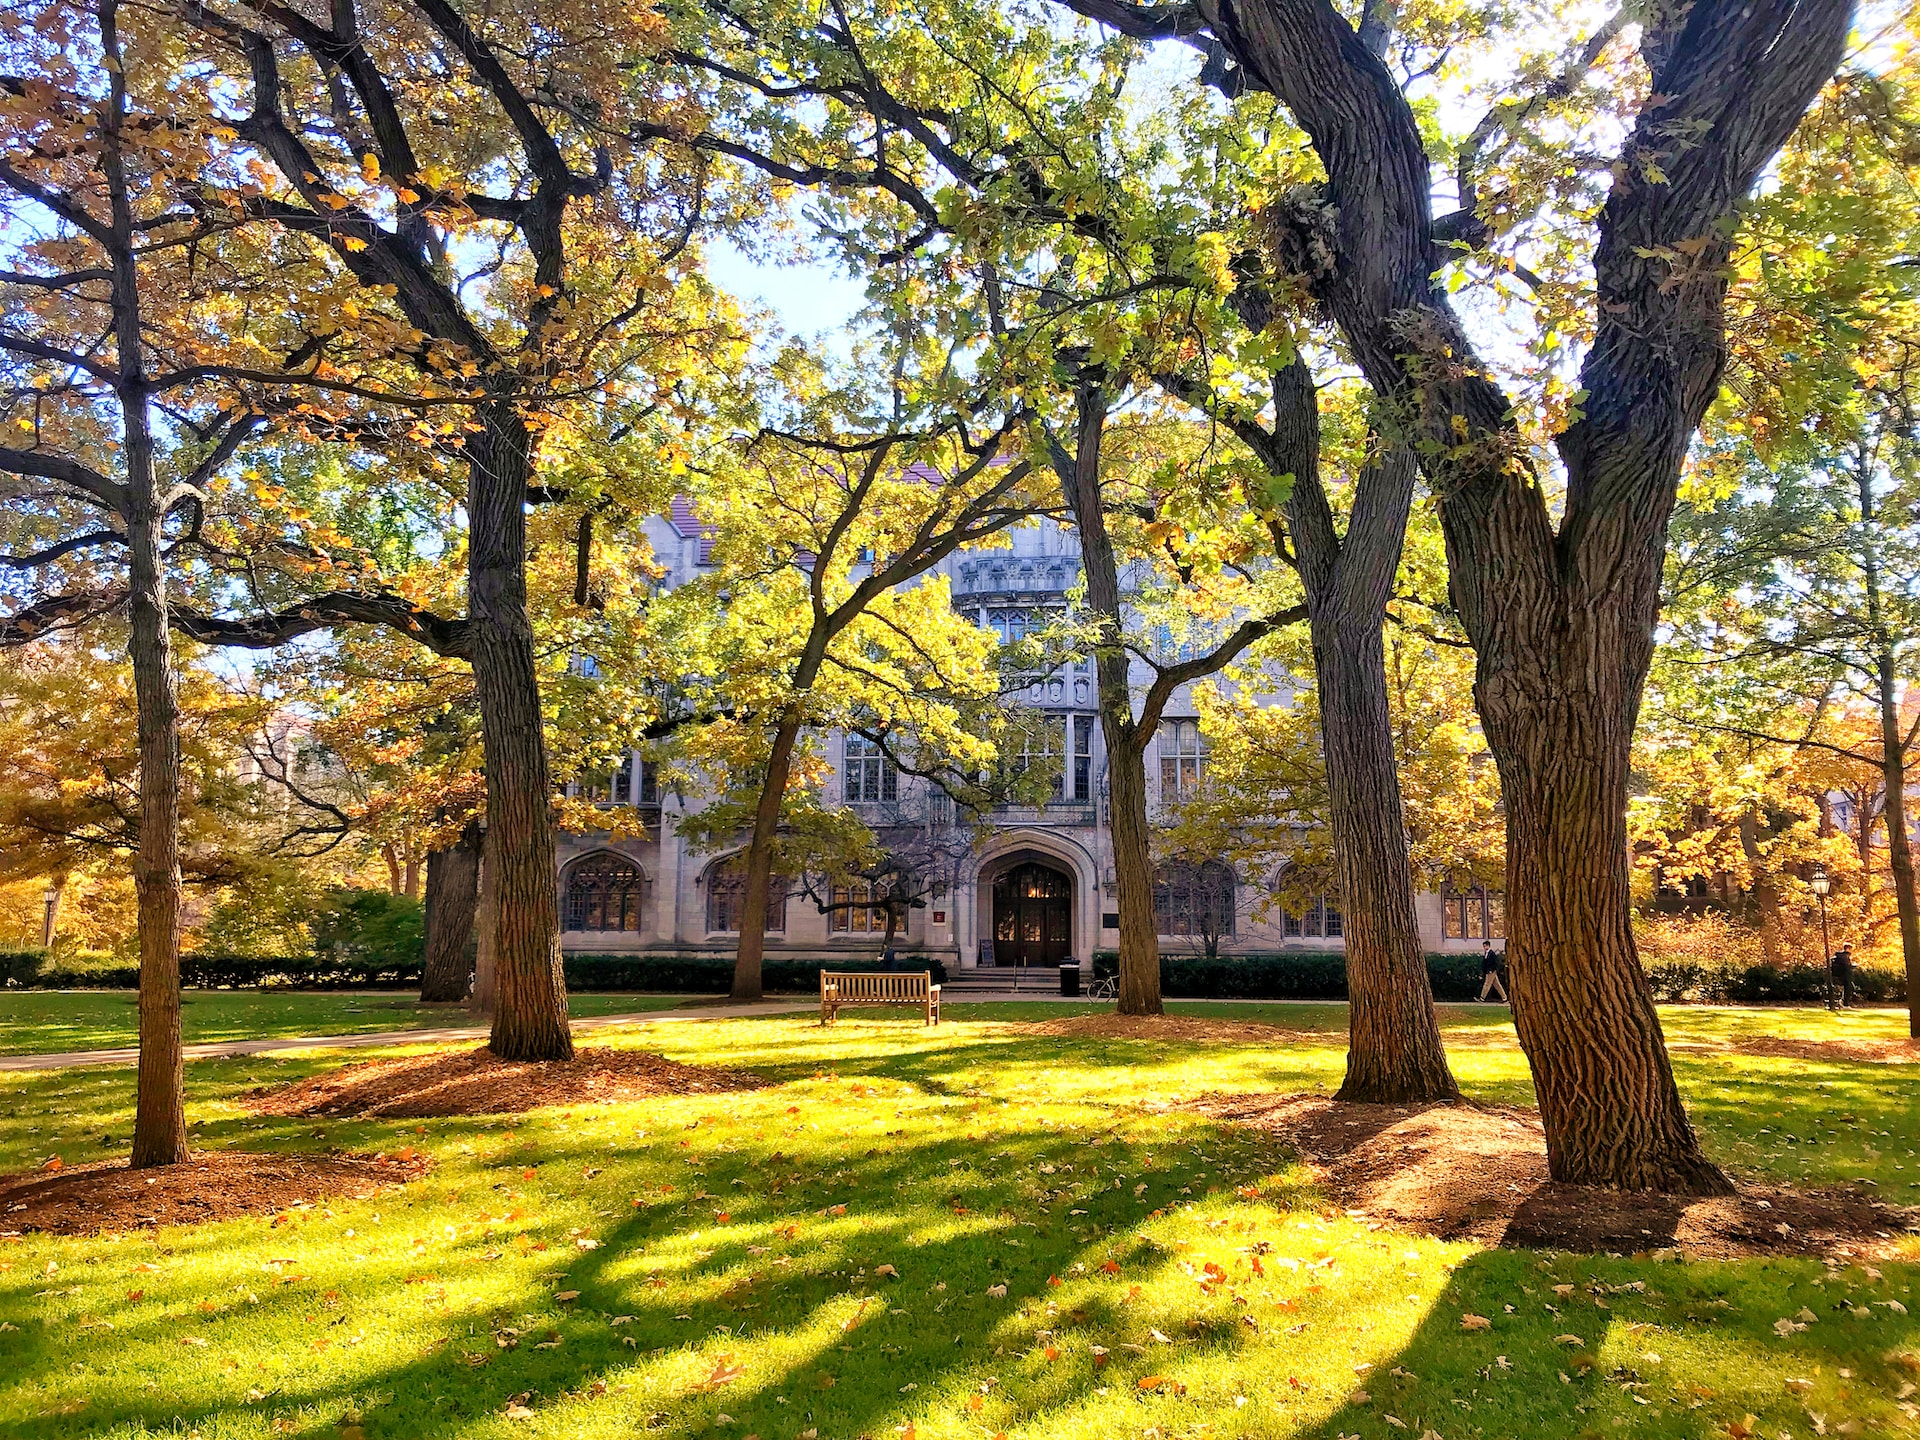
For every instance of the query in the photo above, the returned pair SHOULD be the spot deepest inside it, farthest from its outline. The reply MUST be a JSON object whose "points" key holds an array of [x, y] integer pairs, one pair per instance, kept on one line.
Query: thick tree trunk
{"points": [[766, 823], [530, 1010], [1899, 846], [486, 935], [1581, 1002], [1394, 1053], [453, 893]]}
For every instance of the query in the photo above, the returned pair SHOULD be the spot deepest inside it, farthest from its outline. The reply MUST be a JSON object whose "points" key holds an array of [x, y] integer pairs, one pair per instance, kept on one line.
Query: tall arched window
{"points": [[727, 895], [1194, 900], [603, 891]]}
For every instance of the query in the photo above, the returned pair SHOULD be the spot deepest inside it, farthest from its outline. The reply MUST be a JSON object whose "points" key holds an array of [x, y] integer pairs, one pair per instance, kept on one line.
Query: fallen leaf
{"points": [[1475, 1322]]}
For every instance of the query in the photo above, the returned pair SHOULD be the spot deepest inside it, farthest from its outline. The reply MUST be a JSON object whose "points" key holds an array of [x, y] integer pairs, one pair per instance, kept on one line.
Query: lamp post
{"points": [[1821, 883]]}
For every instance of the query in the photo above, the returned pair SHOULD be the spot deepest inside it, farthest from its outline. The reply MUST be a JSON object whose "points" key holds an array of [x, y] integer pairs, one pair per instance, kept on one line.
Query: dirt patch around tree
{"points": [[1479, 1172], [213, 1185], [1109, 1026], [477, 1082]]}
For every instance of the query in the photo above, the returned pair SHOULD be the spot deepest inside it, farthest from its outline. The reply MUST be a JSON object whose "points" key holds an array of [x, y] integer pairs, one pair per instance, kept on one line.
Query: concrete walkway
{"points": [[227, 1049]]}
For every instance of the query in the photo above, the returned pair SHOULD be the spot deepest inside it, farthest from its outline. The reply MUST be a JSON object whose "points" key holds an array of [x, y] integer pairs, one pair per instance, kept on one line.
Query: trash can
{"points": [[1070, 980]]}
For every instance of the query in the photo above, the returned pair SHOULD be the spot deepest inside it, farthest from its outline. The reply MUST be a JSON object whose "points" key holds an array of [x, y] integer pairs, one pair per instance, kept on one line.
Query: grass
{"points": [[43, 1022], [713, 1267]]}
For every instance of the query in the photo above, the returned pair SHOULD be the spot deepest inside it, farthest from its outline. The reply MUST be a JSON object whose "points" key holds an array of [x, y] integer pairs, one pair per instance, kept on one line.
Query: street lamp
{"points": [[1821, 883]]}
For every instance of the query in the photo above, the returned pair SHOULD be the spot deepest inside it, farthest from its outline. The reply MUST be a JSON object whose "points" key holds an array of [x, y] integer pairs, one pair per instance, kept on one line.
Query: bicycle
{"points": [[1107, 988]]}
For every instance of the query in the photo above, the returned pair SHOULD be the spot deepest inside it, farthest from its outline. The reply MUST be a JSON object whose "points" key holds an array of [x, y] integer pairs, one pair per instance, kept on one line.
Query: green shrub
{"points": [[1287, 975], [713, 974], [370, 927], [1735, 981]]}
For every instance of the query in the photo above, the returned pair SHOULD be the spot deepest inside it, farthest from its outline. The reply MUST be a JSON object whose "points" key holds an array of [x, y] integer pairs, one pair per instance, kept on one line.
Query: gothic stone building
{"points": [[1035, 886]]}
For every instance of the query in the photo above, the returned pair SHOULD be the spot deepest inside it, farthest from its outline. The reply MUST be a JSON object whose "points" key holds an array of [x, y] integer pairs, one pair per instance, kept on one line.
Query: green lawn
{"points": [[42, 1022], [713, 1265]]}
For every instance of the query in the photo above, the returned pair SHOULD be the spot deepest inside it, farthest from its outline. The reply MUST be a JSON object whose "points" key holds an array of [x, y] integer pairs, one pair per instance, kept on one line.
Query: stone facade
{"points": [[1037, 882]]}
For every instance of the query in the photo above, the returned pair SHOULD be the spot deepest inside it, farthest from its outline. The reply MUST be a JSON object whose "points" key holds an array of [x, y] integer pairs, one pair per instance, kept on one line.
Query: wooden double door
{"points": [[1032, 916]]}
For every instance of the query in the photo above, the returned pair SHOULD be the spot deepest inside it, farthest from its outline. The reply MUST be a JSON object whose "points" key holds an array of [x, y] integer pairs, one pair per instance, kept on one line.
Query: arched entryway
{"points": [[1032, 915]]}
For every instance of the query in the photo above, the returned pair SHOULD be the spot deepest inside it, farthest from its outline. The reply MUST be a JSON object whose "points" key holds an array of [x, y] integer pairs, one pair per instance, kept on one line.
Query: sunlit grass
{"points": [[720, 1277], [41, 1022]]}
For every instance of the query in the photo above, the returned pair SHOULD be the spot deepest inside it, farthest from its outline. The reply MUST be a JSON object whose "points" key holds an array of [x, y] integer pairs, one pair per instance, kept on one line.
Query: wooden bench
{"points": [[878, 987]]}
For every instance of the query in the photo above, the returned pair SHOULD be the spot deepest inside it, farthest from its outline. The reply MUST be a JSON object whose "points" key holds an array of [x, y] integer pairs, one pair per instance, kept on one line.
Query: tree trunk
{"points": [[1125, 742], [1394, 1052], [530, 1010], [1581, 1002], [1899, 846], [453, 892], [1132, 851], [160, 1122], [766, 823], [486, 934], [411, 884], [392, 858]]}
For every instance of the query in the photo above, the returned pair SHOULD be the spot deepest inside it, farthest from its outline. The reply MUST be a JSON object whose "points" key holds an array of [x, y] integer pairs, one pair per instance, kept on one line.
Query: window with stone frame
{"points": [[727, 894], [868, 776]]}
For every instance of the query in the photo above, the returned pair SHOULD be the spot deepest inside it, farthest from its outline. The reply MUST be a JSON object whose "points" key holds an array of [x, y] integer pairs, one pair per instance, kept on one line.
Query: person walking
{"points": [[1842, 992], [1490, 974]]}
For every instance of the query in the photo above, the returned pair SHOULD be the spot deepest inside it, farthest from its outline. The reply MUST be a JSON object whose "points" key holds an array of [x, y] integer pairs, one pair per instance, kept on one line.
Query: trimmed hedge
{"points": [[1286, 975], [1735, 984], [1322, 975], [713, 974], [210, 972], [679, 974]]}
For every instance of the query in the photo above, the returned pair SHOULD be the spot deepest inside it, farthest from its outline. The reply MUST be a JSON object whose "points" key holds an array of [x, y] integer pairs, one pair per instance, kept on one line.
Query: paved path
{"points": [[226, 1049]]}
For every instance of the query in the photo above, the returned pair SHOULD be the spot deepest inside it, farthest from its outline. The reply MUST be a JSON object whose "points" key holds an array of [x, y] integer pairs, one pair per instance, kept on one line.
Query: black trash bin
{"points": [[1070, 980]]}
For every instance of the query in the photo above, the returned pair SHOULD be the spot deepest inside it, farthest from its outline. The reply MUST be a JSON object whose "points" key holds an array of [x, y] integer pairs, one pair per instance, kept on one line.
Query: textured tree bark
{"points": [[1580, 999], [453, 894], [530, 1009], [160, 1121], [766, 823], [1125, 742], [1394, 1051]]}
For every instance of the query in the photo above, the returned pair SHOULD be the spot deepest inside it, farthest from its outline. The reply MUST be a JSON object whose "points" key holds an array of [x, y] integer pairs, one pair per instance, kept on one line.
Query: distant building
{"points": [[1035, 885]]}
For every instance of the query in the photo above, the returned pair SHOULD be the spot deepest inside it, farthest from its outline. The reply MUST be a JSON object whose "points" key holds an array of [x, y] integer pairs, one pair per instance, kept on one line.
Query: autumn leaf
{"points": [[1475, 1322]]}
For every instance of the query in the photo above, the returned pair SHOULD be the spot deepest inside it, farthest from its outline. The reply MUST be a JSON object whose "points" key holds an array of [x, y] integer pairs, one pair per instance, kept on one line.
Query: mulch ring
{"points": [[213, 1185], [1109, 1026], [1479, 1172], [476, 1082]]}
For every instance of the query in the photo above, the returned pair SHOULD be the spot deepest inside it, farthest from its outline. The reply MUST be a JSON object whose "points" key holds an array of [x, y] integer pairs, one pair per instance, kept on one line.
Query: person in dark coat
{"points": [[890, 960], [1490, 974], [1842, 993]]}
